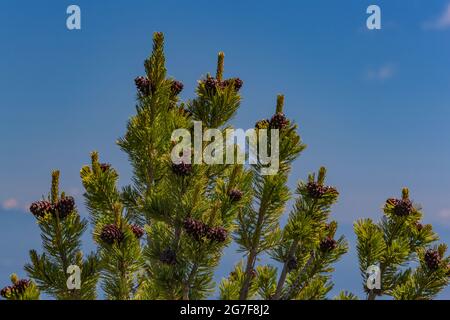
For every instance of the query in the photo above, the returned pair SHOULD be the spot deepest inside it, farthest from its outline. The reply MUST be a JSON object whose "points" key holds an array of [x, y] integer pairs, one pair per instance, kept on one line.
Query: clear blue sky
{"points": [[373, 106]]}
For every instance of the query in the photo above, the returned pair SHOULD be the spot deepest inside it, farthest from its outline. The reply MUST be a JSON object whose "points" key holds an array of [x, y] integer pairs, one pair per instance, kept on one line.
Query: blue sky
{"points": [[372, 106]]}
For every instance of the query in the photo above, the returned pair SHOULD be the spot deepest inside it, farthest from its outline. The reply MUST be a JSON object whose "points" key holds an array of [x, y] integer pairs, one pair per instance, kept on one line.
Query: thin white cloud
{"points": [[381, 73], [444, 215], [440, 23], [74, 192], [10, 204]]}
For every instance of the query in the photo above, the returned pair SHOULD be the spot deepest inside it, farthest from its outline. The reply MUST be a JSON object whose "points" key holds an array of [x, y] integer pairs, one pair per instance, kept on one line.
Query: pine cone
{"points": [[111, 233], [317, 191], [176, 87], [168, 256], [21, 286], [217, 234], [40, 208], [432, 259], [278, 121], [392, 202], [211, 84], [235, 195], [403, 208], [328, 244], [65, 206], [292, 264], [16, 289], [262, 124], [195, 228], [143, 85], [6, 292], [105, 167], [137, 230], [418, 226], [182, 169], [236, 82]]}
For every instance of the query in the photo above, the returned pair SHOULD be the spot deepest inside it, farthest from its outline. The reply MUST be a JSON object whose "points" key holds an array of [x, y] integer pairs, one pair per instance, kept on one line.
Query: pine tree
{"points": [[306, 248], [258, 228], [61, 229], [20, 289], [162, 236], [396, 245], [118, 239], [187, 209]]}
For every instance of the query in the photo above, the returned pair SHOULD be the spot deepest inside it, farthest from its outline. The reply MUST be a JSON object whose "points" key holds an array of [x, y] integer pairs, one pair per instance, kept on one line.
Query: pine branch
{"points": [[258, 232], [61, 230], [394, 244], [188, 206], [117, 238]]}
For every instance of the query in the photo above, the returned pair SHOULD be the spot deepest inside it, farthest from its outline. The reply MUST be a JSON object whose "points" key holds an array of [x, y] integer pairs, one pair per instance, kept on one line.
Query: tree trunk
{"points": [[284, 273]]}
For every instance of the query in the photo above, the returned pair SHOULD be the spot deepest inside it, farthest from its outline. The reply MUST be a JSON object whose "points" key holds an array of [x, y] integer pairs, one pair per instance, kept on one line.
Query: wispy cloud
{"points": [[10, 204], [381, 73], [444, 216], [441, 22], [75, 192]]}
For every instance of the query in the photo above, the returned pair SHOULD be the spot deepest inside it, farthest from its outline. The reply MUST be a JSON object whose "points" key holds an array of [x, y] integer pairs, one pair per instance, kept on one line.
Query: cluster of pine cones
{"points": [[176, 87], [211, 84], [144, 86], [112, 233], [199, 230], [328, 244], [278, 121], [18, 288], [402, 207], [182, 169], [432, 259], [317, 191], [63, 207]]}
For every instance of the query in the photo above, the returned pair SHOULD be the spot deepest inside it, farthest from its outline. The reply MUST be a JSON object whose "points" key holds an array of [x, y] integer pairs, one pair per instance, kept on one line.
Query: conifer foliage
{"points": [[118, 239], [305, 247], [20, 289], [61, 229], [412, 265], [188, 209]]}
